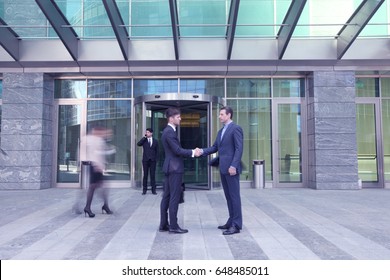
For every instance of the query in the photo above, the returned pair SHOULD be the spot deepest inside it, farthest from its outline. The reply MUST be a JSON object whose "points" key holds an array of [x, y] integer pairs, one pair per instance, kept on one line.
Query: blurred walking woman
{"points": [[97, 150]]}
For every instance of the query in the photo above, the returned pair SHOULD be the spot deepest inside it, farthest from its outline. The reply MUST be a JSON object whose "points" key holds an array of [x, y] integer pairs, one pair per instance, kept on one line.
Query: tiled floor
{"points": [[279, 224]]}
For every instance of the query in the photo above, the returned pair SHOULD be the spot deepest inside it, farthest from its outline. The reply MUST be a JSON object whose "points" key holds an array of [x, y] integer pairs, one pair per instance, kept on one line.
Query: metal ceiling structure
{"points": [[179, 54]]}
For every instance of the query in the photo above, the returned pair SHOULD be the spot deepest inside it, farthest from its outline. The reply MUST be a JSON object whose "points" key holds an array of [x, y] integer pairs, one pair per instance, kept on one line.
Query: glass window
{"points": [[27, 19], [366, 142], [69, 122], [261, 18], [114, 115], [89, 18], [323, 19], [289, 143], [1, 96], [289, 87], [385, 87], [386, 137], [254, 116], [214, 87], [367, 87], [150, 19], [144, 87], [378, 24], [203, 18], [70, 89], [248, 88], [109, 88]]}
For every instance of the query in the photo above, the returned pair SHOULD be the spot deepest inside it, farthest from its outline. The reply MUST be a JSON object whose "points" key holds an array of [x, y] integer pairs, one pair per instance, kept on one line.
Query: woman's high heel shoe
{"points": [[89, 212], [106, 209]]}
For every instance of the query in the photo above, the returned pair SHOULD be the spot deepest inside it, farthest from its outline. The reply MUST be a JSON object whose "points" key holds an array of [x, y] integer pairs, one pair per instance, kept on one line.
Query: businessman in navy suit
{"points": [[149, 159], [229, 145], [173, 169]]}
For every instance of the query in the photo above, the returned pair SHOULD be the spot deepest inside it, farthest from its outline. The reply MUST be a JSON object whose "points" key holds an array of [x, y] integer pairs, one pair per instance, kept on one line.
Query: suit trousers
{"points": [[231, 189], [149, 165], [170, 200]]}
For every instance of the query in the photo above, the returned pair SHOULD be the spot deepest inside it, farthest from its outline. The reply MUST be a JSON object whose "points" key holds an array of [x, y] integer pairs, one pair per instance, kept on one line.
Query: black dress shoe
{"points": [[154, 192], [178, 230], [231, 230], [143, 193], [162, 229], [224, 227]]}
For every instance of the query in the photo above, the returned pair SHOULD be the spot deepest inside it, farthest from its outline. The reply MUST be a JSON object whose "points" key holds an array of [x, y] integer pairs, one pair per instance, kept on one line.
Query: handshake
{"points": [[198, 152]]}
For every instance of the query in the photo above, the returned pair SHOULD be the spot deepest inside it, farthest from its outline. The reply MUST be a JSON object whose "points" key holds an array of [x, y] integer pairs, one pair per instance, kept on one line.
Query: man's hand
{"points": [[232, 171]]}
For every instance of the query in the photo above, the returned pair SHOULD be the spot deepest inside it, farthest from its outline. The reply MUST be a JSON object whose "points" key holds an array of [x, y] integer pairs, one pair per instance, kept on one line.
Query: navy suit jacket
{"points": [[229, 149], [150, 153], [174, 153]]}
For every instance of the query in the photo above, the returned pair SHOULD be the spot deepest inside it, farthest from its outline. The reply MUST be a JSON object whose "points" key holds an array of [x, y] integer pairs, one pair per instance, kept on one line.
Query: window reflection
{"points": [[248, 87], [109, 88], [213, 87], [144, 87], [70, 89]]}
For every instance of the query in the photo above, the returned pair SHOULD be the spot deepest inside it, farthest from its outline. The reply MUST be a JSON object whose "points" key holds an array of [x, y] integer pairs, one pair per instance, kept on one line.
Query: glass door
{"points": [[193, 132], [367, 137], [70, 118], [287, 144]]}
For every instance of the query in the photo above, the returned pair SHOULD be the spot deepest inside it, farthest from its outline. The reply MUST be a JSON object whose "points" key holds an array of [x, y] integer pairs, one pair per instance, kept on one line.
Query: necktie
{"points": [[223, 131], [150, 142]]}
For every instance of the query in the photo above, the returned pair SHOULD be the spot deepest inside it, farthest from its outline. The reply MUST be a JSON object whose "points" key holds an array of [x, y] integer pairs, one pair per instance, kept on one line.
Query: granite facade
{"points": [[331, 123], [27, 131]]}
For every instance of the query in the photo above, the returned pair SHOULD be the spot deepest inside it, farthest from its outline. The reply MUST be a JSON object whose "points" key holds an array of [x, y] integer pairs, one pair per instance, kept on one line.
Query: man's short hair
{"points": [[228, 110], [149, 129], [170, 112]]}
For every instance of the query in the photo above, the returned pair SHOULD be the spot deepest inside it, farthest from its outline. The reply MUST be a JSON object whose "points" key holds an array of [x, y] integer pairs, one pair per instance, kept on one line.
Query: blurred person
{"points": [[97, 150], [229, 145], [149, 159], [173, 169]]}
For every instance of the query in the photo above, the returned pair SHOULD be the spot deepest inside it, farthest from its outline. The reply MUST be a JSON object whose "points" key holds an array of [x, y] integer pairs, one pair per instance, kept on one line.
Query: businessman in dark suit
{"points": [[149, 159], [229, 145], [173, 169]]}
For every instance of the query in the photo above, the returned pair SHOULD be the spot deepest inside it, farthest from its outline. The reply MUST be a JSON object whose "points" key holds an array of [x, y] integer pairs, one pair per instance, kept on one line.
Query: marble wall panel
{"points": [[334, 125], [336, 141], [332, 148], [334, 110], [27, 131]]}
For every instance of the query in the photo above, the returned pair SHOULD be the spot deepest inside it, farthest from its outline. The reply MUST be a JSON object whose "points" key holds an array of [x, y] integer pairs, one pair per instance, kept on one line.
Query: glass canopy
{"points": [[181, 24], [194, 18]]}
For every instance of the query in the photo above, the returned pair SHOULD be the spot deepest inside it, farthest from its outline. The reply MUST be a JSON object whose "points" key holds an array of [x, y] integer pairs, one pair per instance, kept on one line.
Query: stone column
{"points": [[331, 127], [26, 133]]}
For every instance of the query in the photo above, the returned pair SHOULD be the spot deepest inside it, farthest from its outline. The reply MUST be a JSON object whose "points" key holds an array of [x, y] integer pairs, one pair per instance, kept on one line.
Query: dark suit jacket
{"points": [[150, 153], [174, 153], [229, 149]]}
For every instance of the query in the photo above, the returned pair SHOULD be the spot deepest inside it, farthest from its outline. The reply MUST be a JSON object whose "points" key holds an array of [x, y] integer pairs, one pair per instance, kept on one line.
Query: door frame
{"points": [[57, 104], [275, 142], [178, 100], [378, 140]]}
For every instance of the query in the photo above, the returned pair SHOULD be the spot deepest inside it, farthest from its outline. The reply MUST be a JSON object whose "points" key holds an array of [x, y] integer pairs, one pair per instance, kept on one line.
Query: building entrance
{"points": [[196, 130]]}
